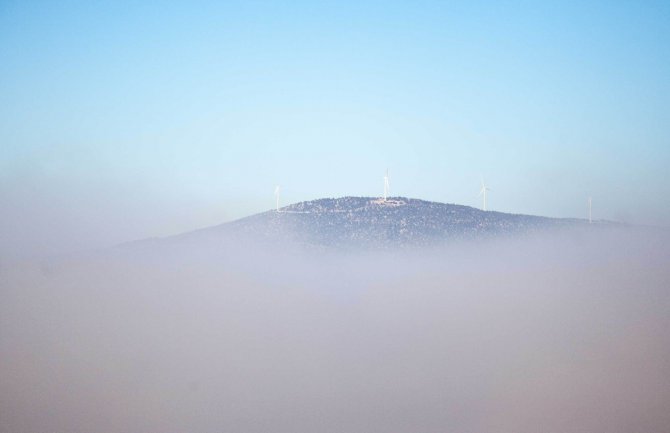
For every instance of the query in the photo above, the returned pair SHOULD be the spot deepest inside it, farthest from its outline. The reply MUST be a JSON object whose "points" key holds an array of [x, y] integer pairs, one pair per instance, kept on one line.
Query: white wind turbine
{"points": [[485, 189], [590, 201], [386, 185], [277, 198]]}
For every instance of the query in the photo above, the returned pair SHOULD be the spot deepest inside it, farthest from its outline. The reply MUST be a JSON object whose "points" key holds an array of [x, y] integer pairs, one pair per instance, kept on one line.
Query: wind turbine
{"points": [[590, 201], [277, 197], [483, 192], [386, 184]]}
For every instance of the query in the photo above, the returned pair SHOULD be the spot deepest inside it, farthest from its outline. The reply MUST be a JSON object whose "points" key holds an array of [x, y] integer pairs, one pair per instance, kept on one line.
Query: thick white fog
{"points": [[567, 333]]}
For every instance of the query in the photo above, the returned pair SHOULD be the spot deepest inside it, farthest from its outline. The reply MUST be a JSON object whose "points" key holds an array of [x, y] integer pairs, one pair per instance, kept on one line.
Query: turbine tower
{"points": [[483, 192], [277, 198], [590, 220], [386, 185]]}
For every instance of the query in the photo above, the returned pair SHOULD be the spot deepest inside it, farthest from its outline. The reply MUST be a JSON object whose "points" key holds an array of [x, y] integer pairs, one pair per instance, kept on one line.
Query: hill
{"points": [[369, 222]]}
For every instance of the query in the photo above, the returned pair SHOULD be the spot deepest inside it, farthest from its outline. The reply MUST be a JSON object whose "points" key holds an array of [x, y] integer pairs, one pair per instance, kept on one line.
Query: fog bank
{"points": [[566, 333]]}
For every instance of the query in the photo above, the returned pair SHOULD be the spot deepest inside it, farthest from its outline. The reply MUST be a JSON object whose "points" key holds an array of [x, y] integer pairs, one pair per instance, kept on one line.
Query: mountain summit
{"points": [[370, 222]]}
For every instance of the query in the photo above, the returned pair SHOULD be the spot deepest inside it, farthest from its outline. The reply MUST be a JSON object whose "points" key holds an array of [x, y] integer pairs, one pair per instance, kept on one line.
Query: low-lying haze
{"points": [[562, 333]]}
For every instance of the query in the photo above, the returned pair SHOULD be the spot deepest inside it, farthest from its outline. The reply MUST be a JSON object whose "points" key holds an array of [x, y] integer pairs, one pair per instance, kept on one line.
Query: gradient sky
{"points": [[124, 121]]}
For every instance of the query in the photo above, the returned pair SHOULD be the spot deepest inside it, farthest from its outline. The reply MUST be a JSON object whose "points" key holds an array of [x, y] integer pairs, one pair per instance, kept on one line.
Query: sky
{"points": [[121, 121]]}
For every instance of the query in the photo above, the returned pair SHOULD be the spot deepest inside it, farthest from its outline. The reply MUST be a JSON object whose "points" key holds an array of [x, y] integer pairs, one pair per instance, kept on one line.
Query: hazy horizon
{"points": [[50, 254], [131, 120], [125, 121]]}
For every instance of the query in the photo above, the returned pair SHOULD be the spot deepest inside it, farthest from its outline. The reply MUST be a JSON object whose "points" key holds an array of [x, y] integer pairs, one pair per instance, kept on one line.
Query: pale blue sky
{"points": [[123, 121]]}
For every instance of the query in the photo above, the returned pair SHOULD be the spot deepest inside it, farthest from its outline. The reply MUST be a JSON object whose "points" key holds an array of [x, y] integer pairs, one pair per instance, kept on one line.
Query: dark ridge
{"points": [[372, 223]]}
